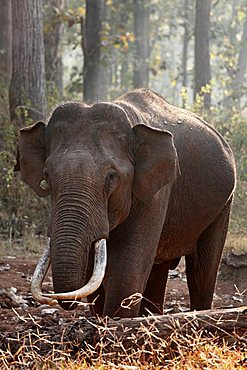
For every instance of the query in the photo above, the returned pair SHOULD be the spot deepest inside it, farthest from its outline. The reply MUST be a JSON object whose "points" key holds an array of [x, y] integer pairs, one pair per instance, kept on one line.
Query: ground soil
{"points": [[17, 306]]}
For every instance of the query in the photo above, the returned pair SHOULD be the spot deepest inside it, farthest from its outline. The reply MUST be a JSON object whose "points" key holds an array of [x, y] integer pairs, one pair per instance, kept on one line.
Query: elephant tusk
{"points": [[39, 275], [96, 279]]}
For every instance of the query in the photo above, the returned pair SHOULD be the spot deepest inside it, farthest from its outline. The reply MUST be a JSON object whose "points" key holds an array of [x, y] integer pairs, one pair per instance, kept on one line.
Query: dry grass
{"points": [[29, 245], [201, 355], [36, 349], [237, 242], [198, 350]]}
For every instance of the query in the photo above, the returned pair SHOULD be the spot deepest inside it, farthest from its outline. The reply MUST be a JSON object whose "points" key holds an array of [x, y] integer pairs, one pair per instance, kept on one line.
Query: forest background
{"points": [[193, 52]]}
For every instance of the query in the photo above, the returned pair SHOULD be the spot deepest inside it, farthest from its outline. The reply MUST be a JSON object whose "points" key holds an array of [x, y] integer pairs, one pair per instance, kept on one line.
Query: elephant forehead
{"points": [[87, 126], [103, 137], [73, 167], [109, 137], [85, 158], [73, 115]]}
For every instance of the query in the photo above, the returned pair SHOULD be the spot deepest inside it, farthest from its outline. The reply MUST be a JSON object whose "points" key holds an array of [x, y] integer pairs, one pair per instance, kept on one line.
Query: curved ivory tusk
{"points": [[39, 275], [95, 280]]}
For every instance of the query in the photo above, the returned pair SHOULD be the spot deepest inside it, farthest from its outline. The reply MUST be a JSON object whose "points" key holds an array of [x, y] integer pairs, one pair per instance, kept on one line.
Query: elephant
{"points": [[135, 184]]}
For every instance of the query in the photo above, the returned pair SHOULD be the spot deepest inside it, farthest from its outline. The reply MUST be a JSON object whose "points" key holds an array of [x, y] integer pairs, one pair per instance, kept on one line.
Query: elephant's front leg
{"points": [[125, 277], [131, 252]]}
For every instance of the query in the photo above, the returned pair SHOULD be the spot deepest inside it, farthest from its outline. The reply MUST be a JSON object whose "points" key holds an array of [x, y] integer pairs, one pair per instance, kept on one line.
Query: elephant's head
{"points": [[94, 163]]}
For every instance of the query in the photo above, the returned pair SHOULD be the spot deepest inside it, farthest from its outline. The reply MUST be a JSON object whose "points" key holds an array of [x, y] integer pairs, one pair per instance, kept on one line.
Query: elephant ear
{"points": [[31, 156], [156, 161]]}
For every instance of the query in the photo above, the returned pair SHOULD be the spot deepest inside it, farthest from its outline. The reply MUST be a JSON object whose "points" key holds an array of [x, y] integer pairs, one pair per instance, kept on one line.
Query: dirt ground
{"points": [[17, 306]]}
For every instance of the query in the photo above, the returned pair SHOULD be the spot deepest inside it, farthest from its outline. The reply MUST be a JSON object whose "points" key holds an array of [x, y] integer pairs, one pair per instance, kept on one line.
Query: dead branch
{"points": [[127, 335], [136, 331]]}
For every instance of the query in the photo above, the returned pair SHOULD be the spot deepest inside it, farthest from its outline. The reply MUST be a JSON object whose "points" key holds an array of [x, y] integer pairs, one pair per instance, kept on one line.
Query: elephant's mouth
{"points": [[70, 297]]}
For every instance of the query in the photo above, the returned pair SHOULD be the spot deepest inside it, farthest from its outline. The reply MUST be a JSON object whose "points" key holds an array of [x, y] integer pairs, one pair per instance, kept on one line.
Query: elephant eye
{"points": [[112, 180], [112, 175]]}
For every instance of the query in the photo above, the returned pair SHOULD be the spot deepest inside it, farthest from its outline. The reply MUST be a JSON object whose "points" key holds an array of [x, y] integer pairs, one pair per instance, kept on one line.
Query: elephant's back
{"points": [[201, 149], [206, 162], [206, 183]]}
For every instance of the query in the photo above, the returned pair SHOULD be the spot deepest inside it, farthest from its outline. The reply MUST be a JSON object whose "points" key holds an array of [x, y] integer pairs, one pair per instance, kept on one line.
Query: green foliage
{"points": [[74, 87], [20, 209], [167, 27], [233, 127], [227, 20], [69, 16]]}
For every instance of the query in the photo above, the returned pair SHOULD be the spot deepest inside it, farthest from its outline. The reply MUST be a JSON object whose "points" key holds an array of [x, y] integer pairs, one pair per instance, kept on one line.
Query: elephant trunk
{"points": [[93, 284], [76, 229]]}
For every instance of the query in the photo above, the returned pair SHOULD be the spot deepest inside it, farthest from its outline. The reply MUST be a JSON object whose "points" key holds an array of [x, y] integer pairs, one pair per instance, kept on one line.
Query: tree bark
{"points": [[52, 41], [202, 57], [27, 88], [233, 23], [91, 44], [186, 39], [5, 42], [238, 81], [141, 48]]}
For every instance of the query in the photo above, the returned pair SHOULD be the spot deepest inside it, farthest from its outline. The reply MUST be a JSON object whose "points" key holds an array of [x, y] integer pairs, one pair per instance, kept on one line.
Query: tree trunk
{"points": [[202, 57], [186, 39], [141, 48], [91, 44], [124, 73], [185, 45], [238, 81], [125, 57], [52, 41], [5, 43], [233, 23], [27, 89]]}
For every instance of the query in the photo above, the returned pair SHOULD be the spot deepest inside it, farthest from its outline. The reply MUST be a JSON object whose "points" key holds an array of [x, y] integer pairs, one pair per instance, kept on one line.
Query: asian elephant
{"points": [[152, 181]]}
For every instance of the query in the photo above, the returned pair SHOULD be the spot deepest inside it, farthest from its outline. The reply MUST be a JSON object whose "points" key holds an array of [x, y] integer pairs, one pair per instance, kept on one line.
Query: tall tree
{"points": [[186, 38], [118, 45], [202, 75], [238, 81], [27, 88], [91, 44], [141, 49], [5, 42], [52, 41]]}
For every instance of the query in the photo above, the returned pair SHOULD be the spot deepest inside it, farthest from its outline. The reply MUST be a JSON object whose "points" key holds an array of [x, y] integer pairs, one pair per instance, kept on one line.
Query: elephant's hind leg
{"points": [[155, 290], [202, 265]]}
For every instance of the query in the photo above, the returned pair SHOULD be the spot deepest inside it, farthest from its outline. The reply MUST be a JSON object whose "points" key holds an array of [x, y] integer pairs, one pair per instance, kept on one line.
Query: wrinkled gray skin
{"points": [[154, 180]]}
